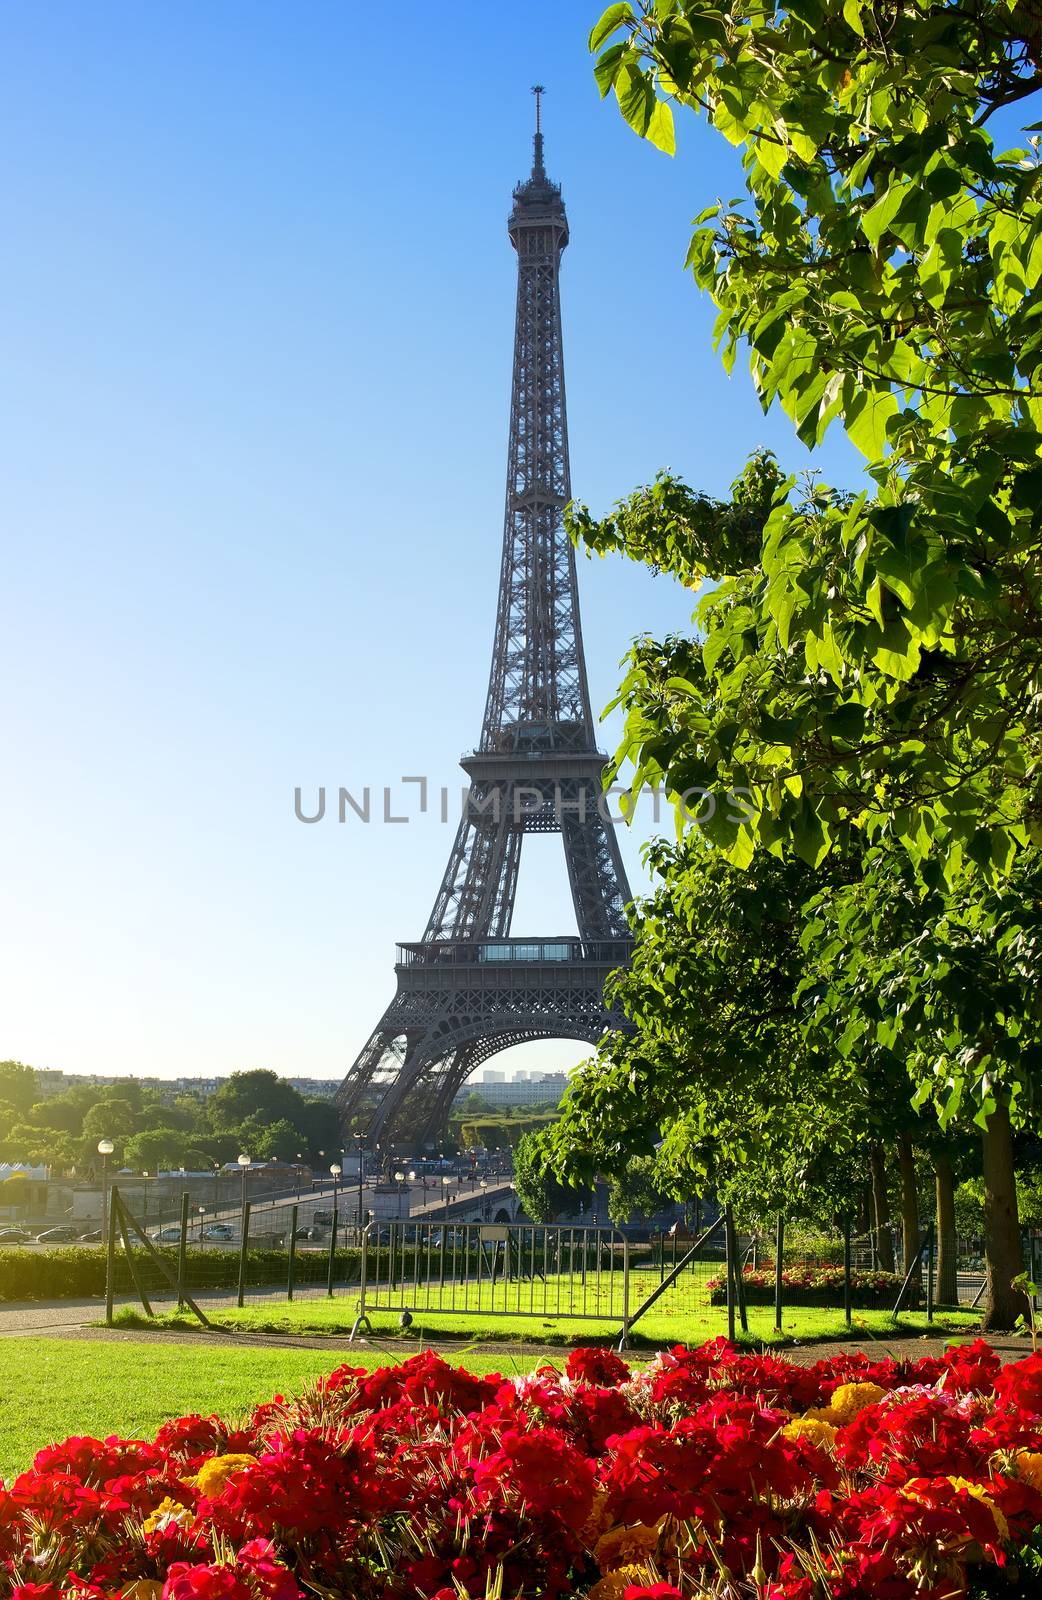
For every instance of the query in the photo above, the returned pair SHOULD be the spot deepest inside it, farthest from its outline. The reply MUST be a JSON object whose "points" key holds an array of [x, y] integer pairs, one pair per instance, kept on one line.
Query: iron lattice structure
{"points": [[467, 990]]}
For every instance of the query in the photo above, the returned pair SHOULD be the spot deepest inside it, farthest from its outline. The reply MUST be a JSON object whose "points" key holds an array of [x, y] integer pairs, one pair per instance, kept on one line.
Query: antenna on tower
{"points": [[538, 170]]}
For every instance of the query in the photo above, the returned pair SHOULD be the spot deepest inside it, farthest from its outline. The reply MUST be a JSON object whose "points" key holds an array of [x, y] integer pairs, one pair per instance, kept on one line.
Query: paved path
{"points": [[79, 1319]]}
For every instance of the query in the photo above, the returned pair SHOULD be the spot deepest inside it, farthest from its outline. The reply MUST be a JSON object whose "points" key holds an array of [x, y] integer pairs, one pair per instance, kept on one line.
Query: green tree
{"points": [[542, 1196], [947, 977], [112, 1118], [717, 1083], [18, 1086], [639, 1191], [259, 1094], [279, 1141], [154, 1148], [874, 670]]}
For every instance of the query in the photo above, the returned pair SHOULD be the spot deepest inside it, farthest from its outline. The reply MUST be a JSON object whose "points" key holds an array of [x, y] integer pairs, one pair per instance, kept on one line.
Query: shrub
{"points": [[811, 1286]]}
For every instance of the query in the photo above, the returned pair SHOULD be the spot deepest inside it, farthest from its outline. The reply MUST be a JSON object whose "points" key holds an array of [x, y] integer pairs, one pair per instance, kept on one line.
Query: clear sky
{"points": [[257, 304]]}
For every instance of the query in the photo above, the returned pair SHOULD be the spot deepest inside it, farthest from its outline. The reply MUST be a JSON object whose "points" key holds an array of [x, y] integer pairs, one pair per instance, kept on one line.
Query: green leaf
{"points": [[866, 418], [881, 213], [846, 722], [607, 66], [660, 128], [852, 16], [611, 19]]}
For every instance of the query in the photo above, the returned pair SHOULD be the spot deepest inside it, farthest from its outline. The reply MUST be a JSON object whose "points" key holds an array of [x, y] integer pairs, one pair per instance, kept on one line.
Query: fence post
{"points": [[739, 1283], [779, 1258], [729, 1269], [182, 1252], [292, 1253], [331, 1268], [848, 1296], [243, 1248], [625, 1291], [110, 1255], [929, 1280], [907, 1283]]}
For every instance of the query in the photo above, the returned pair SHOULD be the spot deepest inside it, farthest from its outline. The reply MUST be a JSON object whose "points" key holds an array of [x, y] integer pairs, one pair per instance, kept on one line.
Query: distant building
{"points": [[51, 1083], [545, 1090]]}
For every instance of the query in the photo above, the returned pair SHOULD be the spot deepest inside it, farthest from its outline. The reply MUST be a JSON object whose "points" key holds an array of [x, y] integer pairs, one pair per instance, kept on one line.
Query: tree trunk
{"points": [[947, 1252], [910, 1217], [881, 1207], [1001, 1226]]}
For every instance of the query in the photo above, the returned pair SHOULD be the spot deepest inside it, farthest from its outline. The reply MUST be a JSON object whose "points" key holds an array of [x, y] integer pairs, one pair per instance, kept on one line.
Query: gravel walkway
{"points": [[77, 1319]]}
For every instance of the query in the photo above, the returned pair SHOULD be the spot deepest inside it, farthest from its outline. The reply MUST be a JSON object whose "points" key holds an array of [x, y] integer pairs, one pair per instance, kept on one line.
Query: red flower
{"points": [[185, 1582], [542, 1472], [311, 1480], [601, 1367]]}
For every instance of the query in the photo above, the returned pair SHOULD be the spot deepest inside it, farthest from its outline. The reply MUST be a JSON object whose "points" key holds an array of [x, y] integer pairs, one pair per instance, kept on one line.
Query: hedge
{"points": [[68, 1273], [813, 1286]]}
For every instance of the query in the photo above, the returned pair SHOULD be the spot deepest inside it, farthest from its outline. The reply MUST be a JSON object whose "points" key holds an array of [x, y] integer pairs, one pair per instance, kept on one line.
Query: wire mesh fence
{"points": [[496, 1269], [554, 1273]]}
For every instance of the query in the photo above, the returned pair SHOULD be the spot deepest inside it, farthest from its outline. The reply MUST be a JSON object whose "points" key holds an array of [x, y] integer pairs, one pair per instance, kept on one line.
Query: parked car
{"points": [[62, 1234], [219, 1230], [169, 1235], [14, 1236], [95, 1236]]}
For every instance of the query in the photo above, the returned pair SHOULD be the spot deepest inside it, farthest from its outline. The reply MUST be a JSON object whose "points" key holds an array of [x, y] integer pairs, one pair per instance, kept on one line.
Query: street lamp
{"points": [[105, 1149], [446, 1180], [399, 1179], [244, 1167], [336, 1169], [360, 1141]]}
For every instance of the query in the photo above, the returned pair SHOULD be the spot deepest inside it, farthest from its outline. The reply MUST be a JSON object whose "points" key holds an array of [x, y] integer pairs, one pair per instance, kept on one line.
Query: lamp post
{"points": [[445, 1182], [336, 1169], [105, 1149], [244, 1167], [360, 1141], [202, 1212], [484, 1195], [399, 1179]]}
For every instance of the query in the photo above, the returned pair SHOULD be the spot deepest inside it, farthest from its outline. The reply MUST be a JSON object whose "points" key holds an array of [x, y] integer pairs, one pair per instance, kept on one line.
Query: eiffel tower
{"points": [[467, 989]]}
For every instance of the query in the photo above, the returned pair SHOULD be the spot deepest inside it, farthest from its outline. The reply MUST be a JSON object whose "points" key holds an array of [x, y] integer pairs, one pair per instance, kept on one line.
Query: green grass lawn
{"points": [[57, 1387], [656, 1329]]}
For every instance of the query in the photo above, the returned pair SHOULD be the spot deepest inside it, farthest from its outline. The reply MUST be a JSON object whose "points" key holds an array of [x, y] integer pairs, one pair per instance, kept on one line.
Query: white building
{"points": [[544, 1090]]}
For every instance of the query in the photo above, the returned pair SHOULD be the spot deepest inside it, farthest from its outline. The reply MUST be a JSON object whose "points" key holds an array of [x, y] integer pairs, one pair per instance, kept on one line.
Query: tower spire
{"points": [[538, 170], [467, 988]]}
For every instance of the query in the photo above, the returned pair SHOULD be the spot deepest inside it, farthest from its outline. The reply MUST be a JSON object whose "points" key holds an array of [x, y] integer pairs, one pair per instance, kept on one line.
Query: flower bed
{"points": [[709, 1473], [810, 1286]]}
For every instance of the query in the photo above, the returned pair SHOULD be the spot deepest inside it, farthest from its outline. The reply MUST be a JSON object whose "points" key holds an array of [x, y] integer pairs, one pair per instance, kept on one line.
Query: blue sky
{"points": [[257, 299]]}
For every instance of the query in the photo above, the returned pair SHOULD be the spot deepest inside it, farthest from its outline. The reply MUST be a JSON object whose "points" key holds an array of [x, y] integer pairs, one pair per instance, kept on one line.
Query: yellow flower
{"points": [[1029, 1468], [621, 1547], [979, 1492], [850, 1399], [168, 1513], [214, 1473], [142, 1589], [614, 1586], [815, 1428], [599, 1518]]}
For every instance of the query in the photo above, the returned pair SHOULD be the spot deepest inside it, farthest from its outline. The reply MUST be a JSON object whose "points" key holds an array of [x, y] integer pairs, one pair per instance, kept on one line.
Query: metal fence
{"points": [[673, 1285], [519, 1269]]}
